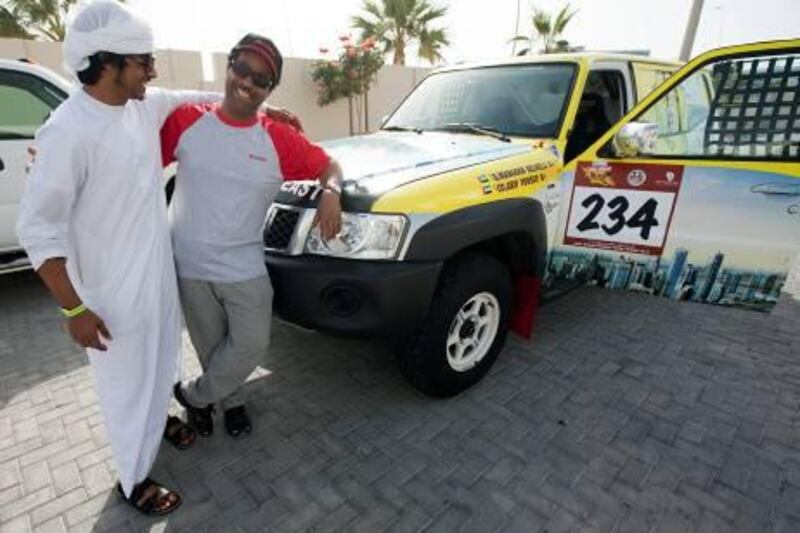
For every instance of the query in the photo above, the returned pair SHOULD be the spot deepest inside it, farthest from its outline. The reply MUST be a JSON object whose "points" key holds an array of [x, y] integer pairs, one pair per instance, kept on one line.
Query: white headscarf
{"points": [[105, 26]]}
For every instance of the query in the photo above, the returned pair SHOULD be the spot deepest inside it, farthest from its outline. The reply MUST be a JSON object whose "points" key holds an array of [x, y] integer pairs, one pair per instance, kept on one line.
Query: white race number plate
{"points": [[622, 207]]}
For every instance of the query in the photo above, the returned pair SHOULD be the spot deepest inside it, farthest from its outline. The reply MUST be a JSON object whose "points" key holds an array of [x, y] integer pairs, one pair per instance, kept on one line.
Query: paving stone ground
{"points": [[626, 413]]}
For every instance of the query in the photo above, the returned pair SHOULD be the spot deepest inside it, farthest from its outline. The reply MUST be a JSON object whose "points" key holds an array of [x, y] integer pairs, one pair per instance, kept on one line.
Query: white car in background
{"points": [[28, 94]]}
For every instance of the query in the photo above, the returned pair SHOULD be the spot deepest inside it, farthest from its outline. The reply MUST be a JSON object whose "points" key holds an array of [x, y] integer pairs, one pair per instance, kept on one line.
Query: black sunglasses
{"points": [[243, 70], [146, 61]]}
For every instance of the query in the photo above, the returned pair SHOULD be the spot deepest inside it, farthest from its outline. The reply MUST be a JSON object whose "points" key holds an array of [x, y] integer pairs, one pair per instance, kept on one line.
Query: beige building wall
{"points": [[183, 69]]}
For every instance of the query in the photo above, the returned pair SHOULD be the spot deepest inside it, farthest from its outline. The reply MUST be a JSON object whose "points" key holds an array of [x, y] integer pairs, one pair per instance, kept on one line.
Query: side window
{"points": [[744, 108], [681, 115], [648, 77], [602, 104], [25, 103]]}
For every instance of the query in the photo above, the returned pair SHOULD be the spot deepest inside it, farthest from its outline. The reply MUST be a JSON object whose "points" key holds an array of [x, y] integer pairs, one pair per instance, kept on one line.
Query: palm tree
{"points": [[30, 19], [396, 23], [39, 18], [548, 31], [10, 26]]}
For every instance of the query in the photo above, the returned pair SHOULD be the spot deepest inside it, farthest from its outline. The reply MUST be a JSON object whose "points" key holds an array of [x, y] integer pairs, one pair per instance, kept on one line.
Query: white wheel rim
{"points": [[473, 331]]}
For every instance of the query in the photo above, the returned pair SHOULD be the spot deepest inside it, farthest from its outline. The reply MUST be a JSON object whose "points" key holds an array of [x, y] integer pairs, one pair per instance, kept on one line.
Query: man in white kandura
{"points": [[93, 220]]}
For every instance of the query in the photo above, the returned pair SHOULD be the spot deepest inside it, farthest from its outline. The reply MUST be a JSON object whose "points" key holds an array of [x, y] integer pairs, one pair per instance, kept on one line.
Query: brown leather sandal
{"points": [[179, 434], [150, 498]]}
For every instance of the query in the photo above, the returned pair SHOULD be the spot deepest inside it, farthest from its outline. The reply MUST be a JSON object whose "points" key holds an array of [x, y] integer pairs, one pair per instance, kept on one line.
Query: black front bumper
{"points": [[352, 297]]}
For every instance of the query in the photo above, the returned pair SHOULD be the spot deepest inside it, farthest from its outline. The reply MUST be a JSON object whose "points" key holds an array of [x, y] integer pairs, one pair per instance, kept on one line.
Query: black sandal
{"points": [[152, 504], [179, 434], [237, 423], [198, 417]]}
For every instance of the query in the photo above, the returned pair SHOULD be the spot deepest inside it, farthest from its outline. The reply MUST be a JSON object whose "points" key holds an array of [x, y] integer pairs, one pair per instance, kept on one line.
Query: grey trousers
{"points": [[229, 324]]}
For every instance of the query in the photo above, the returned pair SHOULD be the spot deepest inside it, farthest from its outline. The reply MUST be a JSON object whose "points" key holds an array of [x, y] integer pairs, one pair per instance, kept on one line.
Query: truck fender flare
{"points": [[444, 236]]}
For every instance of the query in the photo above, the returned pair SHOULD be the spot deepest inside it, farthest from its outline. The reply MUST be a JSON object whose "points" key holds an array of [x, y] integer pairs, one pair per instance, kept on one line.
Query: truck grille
{"points": [[279, 228]]}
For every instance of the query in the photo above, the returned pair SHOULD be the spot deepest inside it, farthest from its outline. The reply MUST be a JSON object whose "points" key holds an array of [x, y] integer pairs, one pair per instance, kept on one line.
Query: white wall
{"points": [[183, 69]]}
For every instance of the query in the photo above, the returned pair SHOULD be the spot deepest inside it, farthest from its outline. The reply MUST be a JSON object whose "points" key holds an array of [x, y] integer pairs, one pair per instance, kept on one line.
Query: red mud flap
{"points": [[526, 302]]}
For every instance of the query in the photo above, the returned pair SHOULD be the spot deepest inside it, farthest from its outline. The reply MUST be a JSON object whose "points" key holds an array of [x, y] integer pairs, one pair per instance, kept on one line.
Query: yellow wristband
{"points": [[75, 311]]}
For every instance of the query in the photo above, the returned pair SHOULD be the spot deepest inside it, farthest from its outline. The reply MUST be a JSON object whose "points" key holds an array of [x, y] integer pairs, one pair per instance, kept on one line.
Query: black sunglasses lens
{"points": [[243, 70], [146, 61], [240, 69], [260, 80]]}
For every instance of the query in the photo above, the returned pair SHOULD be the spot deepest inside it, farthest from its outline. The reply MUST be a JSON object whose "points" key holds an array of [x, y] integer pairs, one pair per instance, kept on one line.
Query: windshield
{"points": [[521, 100]]}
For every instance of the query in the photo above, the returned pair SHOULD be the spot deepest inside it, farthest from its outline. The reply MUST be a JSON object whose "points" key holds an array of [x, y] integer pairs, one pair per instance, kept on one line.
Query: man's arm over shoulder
{"points": [[162, 102], [180, 120]]}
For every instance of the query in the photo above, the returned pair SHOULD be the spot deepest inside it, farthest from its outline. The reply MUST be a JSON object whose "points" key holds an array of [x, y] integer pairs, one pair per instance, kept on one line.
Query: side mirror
{"points": [[634, 139]]}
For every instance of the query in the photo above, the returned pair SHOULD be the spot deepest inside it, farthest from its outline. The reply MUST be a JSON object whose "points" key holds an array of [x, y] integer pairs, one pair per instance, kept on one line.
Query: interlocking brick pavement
{"points": [[627, 413]]}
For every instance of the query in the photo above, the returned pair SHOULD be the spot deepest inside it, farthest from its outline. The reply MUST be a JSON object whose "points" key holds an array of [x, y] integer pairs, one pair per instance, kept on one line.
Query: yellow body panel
{"points": [[513, 177]]}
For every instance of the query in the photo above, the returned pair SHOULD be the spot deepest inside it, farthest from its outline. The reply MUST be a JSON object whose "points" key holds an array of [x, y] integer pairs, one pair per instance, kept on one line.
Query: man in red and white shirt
{"points": [[232, 161]]}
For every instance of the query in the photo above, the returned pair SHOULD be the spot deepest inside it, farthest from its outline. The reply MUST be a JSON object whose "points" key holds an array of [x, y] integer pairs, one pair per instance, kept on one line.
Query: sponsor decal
{"points": [[668, 181], [622, 207], [308, 190], [521, 176], [637, 177], [486, 185], [598, 175]]}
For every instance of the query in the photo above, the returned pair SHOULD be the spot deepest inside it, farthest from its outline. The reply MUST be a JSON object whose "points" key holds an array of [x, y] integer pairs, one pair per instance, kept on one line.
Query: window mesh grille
{"points": [[754, 112]]}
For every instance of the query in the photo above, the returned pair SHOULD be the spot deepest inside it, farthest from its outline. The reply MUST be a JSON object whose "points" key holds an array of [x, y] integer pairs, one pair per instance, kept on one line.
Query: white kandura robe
{"points": [[95, 195]]}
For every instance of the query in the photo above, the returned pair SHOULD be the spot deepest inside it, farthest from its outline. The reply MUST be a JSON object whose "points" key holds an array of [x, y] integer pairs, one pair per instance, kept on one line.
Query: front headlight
{"points": [[363, 236]]}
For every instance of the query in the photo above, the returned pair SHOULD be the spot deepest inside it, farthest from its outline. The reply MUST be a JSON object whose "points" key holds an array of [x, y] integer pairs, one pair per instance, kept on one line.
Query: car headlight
{"points": [[363, 236]]}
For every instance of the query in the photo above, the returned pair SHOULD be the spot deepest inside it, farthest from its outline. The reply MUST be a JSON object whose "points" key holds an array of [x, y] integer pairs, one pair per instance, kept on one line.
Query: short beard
{"points": [[118, 84], [128, 93]]}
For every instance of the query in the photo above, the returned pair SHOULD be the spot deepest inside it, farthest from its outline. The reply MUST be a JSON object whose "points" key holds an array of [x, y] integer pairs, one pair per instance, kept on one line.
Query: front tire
{"points": [[465, 330]]}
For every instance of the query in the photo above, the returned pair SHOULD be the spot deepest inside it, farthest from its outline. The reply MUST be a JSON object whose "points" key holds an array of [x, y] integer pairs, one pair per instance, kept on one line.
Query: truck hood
{"points": [[377, 163], [400, 157]]}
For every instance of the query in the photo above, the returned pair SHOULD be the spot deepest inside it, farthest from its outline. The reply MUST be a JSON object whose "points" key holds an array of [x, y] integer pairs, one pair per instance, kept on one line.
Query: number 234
{"points": [[644, 218]]}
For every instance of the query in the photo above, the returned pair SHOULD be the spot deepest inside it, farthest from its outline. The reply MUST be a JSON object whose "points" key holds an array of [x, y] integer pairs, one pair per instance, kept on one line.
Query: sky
{"points": [[478, 29]]}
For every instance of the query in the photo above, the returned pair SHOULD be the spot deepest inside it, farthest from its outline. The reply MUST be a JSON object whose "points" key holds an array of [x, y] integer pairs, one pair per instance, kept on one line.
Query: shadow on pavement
{"points": [[34, 346]]}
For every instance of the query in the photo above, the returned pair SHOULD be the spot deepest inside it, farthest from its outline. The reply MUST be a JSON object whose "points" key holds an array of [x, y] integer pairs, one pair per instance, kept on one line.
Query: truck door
{"points": [[695, 194]]}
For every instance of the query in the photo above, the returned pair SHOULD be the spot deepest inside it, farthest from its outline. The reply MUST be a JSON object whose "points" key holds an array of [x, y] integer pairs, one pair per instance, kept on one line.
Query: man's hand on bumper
{"points": [[329, 215]]}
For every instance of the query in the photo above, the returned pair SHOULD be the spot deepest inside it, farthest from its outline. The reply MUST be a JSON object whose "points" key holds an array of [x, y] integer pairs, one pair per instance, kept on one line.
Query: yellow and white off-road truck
{"points": [[493, 183]]}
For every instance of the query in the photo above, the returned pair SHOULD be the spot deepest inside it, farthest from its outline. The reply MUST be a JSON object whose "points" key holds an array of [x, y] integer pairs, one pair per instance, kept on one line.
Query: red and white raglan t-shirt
{"points": [[228, 174]]}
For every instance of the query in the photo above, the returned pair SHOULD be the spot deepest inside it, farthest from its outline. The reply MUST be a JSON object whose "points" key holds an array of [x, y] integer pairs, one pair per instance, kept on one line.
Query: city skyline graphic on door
{"points": [[713, 235]]}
